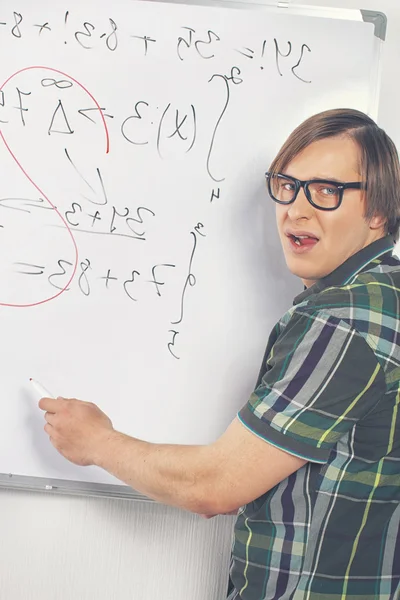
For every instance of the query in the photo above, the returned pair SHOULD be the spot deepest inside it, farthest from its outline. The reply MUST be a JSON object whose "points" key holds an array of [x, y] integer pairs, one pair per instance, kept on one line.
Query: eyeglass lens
{"points": [[323, 194]]}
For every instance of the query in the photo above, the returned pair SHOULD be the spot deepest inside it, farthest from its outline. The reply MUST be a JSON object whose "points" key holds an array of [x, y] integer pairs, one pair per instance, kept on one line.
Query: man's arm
{"points": [[218, 478]]}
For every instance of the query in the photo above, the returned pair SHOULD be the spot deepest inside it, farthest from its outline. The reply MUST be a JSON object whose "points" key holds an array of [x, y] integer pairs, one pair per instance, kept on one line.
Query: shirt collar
{"points": [[351, 267]]}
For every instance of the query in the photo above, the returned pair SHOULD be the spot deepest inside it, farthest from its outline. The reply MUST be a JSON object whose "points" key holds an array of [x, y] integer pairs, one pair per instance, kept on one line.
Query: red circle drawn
{"points": [[38, 188]]}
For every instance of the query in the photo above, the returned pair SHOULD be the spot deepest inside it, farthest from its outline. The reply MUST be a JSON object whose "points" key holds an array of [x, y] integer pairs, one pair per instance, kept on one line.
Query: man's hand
{"points": [[76, 429]]}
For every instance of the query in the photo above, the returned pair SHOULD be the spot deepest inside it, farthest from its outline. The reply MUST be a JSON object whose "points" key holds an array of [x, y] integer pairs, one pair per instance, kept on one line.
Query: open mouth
{"points": [[303, 241]]}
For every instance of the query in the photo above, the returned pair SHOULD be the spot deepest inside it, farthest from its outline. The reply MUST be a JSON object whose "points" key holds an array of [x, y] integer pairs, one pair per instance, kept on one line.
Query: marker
{"points": [[40, 389]]}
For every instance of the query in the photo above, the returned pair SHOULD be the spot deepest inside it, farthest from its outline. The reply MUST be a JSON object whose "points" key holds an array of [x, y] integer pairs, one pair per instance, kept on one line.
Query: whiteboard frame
{"points": [[379, 19], [69, 487]]}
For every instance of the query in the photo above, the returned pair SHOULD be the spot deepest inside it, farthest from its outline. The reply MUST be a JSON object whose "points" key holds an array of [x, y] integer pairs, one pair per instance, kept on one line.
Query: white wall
{"points": [[71, 548]]}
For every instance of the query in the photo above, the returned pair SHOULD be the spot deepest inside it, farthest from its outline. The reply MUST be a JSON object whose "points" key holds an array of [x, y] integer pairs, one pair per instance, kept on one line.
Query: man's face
{"points": [[339, 233]]}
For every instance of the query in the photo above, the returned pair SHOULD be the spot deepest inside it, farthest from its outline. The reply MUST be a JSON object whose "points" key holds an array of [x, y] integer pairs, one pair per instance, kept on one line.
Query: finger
{"points": [[52, 442], [55, 444], [49, 417], [49, 429], [50, 404]]}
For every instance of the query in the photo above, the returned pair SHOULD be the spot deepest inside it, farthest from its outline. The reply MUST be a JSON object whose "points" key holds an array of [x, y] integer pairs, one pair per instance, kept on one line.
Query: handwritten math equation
{"points": [[284, 56], [92, 277], [95, 212], [60, 107], [161, 127]]}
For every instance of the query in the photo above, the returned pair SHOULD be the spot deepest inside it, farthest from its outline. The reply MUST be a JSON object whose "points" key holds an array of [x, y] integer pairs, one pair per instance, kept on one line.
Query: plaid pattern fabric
{"points": [[329, 392]]}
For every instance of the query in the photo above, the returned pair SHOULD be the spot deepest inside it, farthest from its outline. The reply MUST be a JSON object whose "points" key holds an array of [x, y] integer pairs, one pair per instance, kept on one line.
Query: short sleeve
{"points": [[321, 378]]}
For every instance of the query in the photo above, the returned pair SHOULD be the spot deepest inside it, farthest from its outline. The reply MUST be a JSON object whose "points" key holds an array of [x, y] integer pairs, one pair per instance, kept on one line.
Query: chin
{"points": [[303, 273]]}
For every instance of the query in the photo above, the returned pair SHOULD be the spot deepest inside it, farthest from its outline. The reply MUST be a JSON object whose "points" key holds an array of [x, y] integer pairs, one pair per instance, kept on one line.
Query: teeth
{"points": [[298, 238]]}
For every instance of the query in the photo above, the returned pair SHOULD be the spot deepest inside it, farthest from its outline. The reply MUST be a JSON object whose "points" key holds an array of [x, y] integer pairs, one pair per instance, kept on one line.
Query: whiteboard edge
{"points": [[67, 487], [379, 20], [277, 6]]}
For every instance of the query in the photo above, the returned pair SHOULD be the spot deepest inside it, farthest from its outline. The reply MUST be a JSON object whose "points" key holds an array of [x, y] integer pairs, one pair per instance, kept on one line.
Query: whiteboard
{"points": [[139, 264]]}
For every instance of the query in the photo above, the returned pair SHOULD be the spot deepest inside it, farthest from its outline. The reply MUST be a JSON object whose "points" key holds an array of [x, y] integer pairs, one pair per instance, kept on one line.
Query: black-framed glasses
{"points": [[322, 194]]}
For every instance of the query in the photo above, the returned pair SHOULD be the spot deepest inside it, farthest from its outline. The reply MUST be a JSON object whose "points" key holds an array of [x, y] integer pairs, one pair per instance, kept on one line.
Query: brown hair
{"points": [[380, 165]]}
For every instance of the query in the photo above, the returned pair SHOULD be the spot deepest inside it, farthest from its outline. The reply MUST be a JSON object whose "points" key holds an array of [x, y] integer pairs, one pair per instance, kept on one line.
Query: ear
{"points": [[377, 222]]}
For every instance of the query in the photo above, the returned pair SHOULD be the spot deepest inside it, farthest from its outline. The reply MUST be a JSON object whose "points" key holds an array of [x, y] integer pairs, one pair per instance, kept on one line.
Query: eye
{"points": [[289, 187], [329, 190], [325, 190]]}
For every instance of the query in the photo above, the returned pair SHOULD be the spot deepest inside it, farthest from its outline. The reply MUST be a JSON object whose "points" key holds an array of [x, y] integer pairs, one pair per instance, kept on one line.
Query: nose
{"points": [[301, 208]]}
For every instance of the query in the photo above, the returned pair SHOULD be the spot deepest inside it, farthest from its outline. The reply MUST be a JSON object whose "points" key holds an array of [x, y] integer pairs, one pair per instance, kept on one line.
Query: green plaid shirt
{"points": [[329, 392]]}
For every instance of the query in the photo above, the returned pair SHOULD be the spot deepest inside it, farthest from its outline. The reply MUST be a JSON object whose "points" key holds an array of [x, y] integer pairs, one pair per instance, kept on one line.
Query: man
{"points": [[314, 456]]}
